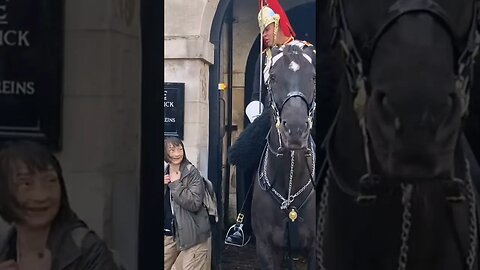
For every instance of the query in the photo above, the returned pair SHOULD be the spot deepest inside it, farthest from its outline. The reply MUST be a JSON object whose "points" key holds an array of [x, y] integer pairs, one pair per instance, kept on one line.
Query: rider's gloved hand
{"points": [[253, 110]]}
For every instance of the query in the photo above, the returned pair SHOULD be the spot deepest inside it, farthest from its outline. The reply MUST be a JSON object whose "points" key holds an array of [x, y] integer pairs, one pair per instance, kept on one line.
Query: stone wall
{"points": [[188, 55], [101, 119]]}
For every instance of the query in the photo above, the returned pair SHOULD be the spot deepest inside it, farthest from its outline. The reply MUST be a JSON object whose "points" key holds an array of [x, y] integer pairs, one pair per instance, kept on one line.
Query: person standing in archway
{"points": [[276, 31]]}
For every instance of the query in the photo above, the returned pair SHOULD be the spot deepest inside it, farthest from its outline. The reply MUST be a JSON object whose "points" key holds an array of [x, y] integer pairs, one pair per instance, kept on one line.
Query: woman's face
{"points": [[175, 154], [38, 194]]}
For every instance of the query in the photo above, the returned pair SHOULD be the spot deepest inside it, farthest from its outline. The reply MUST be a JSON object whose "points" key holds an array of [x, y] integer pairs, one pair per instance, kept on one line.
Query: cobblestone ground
{"points": [[245, 258]]}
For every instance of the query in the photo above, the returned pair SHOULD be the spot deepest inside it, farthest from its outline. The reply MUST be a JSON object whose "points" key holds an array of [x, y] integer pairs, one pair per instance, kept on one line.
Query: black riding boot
{"points": [[245, 154]]}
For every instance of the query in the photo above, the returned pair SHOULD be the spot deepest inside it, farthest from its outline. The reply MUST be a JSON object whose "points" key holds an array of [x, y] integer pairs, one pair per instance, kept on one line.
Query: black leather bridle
{"points": [[357, 64], [277, 110]]}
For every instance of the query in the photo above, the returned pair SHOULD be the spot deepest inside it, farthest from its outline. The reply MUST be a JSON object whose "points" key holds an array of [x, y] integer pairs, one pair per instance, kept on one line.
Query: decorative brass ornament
{"points": [[292, 215]]}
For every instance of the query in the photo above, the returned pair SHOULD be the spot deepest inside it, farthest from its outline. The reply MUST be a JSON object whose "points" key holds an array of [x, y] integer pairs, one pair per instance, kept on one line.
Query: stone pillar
{"points": [[188, 55], [101, 119]]}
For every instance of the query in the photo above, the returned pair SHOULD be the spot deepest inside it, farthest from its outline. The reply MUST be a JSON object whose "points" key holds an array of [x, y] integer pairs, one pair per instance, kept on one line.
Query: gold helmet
{"points": [[267, 16]]}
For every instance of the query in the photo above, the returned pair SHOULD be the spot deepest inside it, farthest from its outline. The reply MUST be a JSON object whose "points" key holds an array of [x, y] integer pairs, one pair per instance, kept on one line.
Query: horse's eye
{"points": [[272, 77]]}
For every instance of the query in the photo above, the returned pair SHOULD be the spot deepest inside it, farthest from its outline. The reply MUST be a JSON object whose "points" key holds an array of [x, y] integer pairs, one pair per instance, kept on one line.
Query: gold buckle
{"points": [[240, 218]]}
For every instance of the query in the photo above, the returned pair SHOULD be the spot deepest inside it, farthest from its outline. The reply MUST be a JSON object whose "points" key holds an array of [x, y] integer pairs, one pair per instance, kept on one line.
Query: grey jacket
{"points": [[73, 247], [192, 225]]}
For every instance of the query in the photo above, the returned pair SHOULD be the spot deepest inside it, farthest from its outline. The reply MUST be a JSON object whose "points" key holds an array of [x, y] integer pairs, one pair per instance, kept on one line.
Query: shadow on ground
{"points": [[245, 258]]}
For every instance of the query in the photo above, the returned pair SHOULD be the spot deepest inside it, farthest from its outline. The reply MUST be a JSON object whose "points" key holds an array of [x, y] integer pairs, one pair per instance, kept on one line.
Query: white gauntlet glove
{"points": [[253, 110]]}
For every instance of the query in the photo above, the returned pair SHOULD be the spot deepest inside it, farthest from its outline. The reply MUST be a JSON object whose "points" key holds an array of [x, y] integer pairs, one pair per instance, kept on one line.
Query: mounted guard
{"points": [[247, 151]]}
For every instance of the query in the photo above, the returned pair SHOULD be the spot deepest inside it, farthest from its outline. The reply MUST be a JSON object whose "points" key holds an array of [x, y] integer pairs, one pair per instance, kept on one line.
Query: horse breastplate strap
{"points": [[265, 184], [407, 192]]}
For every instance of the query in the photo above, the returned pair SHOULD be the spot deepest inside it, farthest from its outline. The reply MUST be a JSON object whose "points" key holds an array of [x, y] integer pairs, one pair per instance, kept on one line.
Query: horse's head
{"points": [[415, 63], [292, 91]]}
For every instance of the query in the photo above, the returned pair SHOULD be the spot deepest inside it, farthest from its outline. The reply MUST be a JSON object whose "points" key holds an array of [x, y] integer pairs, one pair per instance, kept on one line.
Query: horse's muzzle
{"points": [[294, 140], [417, 167]]}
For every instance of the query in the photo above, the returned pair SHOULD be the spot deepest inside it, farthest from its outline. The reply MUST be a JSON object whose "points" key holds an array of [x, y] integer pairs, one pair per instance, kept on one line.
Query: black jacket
{"points": [[73, 246]]}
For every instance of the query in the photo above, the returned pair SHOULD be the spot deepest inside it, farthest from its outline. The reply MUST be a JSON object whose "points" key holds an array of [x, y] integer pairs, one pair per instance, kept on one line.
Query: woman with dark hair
{"points": [[186, 221], [45, 232]]}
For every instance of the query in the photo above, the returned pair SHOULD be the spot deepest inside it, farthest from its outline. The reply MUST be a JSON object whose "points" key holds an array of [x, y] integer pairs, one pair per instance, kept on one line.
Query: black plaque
{"points": [[31, 64], [174, 109]]}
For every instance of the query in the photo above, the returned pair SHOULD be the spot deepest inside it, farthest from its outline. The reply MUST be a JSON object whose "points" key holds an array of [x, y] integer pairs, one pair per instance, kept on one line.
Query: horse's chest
{"points": [[371, 236], [296, 234], [276, 225]]}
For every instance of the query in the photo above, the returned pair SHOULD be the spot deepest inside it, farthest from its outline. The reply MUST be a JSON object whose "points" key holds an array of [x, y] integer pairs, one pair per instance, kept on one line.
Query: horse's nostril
{"points": [[382, 98], [387, 110], [397, 124], [451, 100]]}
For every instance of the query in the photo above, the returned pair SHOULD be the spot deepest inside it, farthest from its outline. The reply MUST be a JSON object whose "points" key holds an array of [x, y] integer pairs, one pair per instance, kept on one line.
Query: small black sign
{"points": [[31, 64], [174, 109]]}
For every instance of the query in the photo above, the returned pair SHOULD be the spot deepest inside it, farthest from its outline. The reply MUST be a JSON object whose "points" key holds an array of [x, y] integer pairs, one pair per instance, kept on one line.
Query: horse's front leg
{"points": [[269, 258]]}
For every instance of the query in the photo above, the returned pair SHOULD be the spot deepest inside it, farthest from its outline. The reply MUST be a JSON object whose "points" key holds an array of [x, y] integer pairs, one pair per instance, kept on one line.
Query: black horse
{"points": [[283, 204], [399, 192]]}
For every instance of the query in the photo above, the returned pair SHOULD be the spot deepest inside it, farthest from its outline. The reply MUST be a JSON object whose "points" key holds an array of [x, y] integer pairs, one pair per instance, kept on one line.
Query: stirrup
{"points": [[235, 235]]}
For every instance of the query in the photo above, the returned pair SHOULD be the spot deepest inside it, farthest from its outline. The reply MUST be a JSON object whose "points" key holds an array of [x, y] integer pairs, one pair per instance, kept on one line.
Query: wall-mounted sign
{"points": [[31, 64], [174, 109]]}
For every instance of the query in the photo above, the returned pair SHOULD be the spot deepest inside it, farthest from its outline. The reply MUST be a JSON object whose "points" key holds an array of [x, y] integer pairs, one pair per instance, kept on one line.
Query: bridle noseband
{"points": [[277, 112]]}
